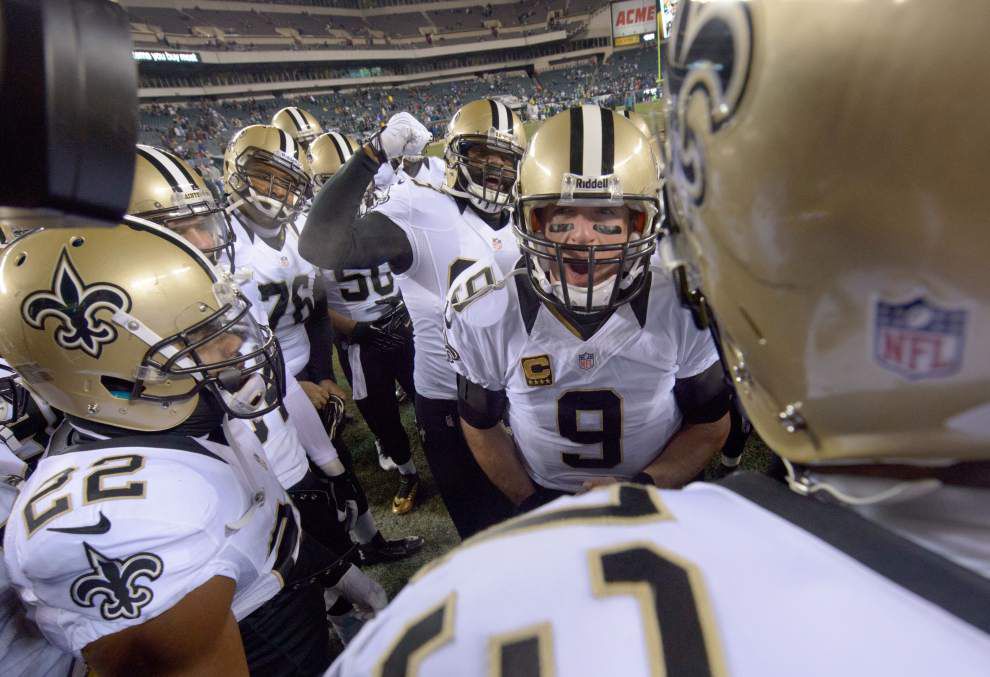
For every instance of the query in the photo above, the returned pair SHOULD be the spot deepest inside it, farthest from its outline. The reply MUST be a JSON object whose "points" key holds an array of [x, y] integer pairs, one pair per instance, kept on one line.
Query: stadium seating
{"points": [[446, 25]]}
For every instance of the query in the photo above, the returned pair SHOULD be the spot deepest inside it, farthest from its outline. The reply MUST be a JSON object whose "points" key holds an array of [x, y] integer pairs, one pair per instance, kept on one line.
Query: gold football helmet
{"points": [[128, 325], [494, 126], [655, 142], [588, 156], [328, 153], [843, 257], [265, 176], [168, 191], [298, 123]]}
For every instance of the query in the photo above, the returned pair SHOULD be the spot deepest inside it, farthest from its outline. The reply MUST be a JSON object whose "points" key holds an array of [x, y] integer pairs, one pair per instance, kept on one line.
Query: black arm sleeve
{"points": [[320, 331], [480, 407], [336, 236], [704, 397]]}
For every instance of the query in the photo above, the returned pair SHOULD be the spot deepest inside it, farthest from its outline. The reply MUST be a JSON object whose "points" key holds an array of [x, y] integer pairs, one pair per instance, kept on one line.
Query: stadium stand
{"points": [[233, 28]]}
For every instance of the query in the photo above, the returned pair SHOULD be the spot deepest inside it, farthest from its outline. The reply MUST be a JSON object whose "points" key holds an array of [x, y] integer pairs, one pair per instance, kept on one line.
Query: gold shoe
{"points": [[405, 497]]}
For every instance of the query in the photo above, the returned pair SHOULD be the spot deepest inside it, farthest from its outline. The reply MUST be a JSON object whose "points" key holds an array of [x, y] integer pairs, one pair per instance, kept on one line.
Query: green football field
{"points": [[429, 519]]}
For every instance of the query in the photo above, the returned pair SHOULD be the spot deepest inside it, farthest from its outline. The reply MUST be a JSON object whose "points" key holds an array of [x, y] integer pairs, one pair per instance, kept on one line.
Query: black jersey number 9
{"points": [[382, 284], [605, 404], [302, 305]]}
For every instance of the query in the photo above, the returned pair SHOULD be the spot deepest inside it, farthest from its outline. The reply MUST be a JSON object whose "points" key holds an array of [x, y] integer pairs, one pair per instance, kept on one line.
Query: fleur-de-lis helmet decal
{"points": [[73, 304]]}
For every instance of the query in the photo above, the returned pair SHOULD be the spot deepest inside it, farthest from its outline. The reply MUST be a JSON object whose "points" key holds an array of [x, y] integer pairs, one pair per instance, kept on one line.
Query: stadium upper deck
{"points": [[232, 26]]}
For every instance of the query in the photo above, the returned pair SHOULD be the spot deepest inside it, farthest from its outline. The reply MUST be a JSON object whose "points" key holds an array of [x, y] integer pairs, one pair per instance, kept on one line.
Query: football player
{"points": [[604, 373], [739, 427], [655, 144], [169, 191], [364, 303], [428, 236], [844, 266], [147, 525], [299, 124]]}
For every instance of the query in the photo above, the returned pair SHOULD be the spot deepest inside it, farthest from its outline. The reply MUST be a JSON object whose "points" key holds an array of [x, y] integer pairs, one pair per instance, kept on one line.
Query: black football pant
{"points": [[287, 635], [474, 503], [380, 369]]}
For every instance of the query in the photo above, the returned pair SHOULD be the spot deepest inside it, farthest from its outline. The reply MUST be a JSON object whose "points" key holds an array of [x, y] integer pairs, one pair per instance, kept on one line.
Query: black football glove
{"points": [[391, 331], [332, 414]]}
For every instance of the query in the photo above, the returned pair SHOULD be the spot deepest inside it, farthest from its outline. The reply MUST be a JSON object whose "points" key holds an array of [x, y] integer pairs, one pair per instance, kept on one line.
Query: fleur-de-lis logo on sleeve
{"points": [[73, 304], [115, 580]]}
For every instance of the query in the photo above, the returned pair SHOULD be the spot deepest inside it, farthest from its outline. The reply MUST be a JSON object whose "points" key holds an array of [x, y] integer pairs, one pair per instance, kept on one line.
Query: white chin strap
{"points": [[249, 398], [806, 485], [600, 293], [486, 206], [257, 202]]}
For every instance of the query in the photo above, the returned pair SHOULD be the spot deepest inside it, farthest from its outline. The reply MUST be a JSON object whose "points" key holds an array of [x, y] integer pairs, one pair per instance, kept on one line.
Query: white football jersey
{"points": [[432, 170], [445, 240], [284, 451], [115, 532], [286, 283], [355, 292], [23, 649], [578, 408], [634, 581]]}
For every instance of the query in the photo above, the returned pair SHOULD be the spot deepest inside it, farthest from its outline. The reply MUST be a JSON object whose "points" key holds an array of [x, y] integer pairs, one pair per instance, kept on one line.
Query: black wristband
{"points": [[643, 478]]}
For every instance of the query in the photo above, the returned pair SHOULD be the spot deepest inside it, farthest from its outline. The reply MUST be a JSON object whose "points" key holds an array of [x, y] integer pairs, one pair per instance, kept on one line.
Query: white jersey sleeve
{"points": [[696, 349], [632, 581], [23, 649], [445, 236], [106, 537], [474, 337]]}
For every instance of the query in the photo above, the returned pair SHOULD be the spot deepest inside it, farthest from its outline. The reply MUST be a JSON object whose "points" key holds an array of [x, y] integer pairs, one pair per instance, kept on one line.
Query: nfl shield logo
{"points": [[918, 339], [586, 360], [496, 244]]}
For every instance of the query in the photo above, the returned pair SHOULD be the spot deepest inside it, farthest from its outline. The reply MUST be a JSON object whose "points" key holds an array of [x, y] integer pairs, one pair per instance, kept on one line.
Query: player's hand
{"points": [[333, 389], [588, 485], [344, 490], [369, 334], [402, 135], [362, 591], [316, 394]]}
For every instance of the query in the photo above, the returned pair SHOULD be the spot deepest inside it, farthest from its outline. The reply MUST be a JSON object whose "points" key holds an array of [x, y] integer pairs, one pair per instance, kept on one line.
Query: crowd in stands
{"points": [[199, 129], [279, 73], [441, 25]]}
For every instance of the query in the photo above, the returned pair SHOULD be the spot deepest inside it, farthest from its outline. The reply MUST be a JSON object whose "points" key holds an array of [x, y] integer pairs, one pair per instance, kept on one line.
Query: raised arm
{"points": [[337, 236]]}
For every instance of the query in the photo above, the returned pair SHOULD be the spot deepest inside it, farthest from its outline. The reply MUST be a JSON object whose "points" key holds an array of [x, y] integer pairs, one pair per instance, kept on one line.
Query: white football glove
{"points": [[361, 591], [403, 135]]}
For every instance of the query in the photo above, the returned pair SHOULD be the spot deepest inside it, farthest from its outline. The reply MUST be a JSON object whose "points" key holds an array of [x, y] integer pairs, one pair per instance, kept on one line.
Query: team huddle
{"points": [[582, 319]]}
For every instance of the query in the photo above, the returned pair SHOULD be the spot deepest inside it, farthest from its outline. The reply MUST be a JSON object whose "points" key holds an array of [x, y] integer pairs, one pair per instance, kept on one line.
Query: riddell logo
{"points": [[591, 184]]}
